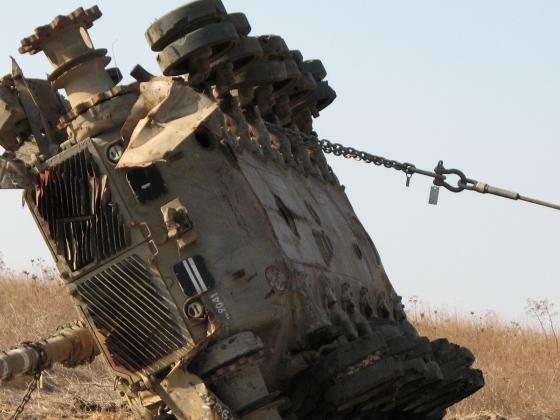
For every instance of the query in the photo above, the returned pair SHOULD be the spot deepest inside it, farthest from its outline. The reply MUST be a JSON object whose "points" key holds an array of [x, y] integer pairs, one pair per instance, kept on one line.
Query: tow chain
{"points": [[440, 173], [30, 389]]}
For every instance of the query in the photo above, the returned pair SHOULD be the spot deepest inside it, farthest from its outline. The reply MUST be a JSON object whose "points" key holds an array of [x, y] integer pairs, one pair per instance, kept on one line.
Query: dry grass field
{"points": [[521, 364], [33, 306]]}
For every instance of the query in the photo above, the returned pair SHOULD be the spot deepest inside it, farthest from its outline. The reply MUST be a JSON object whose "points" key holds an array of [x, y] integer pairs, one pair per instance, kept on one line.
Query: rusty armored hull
{"points": [[210, 249]]}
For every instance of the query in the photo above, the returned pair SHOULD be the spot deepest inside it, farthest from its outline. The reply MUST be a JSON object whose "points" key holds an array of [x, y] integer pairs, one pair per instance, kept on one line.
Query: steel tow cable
{"points": [[439, 174]]}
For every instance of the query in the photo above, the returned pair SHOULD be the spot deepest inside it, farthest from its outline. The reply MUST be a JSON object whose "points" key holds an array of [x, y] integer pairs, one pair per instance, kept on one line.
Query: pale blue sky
{"points": [[475, 83]]}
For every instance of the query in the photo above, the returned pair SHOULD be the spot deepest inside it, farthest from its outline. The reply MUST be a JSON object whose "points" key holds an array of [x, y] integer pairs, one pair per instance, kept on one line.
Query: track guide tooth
{"points": [[410, 378]]}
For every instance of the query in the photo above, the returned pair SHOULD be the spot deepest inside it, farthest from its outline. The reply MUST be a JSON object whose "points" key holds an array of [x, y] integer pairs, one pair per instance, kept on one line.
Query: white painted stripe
{"points": [[197, 276], [200, 279], [4, 370], [26, 359], [192, 277]]}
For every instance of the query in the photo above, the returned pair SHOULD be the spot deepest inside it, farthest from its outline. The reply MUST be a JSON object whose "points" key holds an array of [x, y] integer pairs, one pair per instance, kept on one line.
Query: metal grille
{"points": [[74, 199], [131, 314]]}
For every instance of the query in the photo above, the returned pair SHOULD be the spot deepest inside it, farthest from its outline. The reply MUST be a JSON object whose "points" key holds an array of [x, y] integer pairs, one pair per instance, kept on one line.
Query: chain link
{"points": [[440, 174], [30, 389], [338, 149]]}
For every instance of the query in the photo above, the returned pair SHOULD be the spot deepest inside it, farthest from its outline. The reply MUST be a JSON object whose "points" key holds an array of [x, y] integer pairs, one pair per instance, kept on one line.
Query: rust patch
{"points": [[282, 278]]}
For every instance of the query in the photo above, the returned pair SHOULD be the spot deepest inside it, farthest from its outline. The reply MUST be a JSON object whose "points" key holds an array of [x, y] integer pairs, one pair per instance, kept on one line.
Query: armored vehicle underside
{"points": [[210, 249]]}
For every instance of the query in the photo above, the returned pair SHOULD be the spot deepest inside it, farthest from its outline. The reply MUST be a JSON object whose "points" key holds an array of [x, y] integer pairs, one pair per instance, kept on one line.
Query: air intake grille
{"points": [[75, 202], [131, 314]]}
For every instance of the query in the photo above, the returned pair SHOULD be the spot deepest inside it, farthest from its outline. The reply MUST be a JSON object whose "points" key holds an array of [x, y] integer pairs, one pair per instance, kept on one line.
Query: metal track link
{"points": [[387, 375]]}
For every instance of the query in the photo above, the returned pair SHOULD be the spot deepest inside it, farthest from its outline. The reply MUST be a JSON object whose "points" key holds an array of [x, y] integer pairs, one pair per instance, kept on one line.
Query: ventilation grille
{"points": [[131, 314], [75, 202]]}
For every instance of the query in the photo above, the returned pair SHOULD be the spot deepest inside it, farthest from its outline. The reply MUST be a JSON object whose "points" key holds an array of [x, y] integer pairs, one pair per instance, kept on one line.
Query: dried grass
{"points": [[520, 363], [33, 305]]}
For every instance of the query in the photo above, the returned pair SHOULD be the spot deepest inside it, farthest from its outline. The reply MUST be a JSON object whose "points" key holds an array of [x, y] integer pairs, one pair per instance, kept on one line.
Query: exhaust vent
{"points": [[131, 314], [74, 200]]}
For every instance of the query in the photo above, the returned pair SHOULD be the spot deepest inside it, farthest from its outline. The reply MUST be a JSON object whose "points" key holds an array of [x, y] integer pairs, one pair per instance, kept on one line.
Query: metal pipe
{"points": [[70, 346]]}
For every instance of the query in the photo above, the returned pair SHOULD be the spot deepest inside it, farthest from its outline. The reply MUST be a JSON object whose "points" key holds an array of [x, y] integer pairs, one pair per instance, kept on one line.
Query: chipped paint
{"points": [[167, 113]]}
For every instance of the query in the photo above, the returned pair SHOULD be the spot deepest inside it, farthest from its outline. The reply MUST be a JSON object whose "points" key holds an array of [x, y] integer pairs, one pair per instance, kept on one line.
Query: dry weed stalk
{"points": [[520, 363], [33, 305]]}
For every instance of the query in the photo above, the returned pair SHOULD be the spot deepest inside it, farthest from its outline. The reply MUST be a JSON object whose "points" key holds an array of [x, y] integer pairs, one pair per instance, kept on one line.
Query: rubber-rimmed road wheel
{"points": [[218, 37], [297, 56], [303, 89], [274, 47], [316, 68], [240, 22], [292, 76], [324, 96], [243, 54], [262, 73], [183, 20]]}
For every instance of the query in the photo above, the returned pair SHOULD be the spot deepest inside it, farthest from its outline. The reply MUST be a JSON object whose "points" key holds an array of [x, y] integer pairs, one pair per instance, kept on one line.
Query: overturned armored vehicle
{"points": [[212, 253]]}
